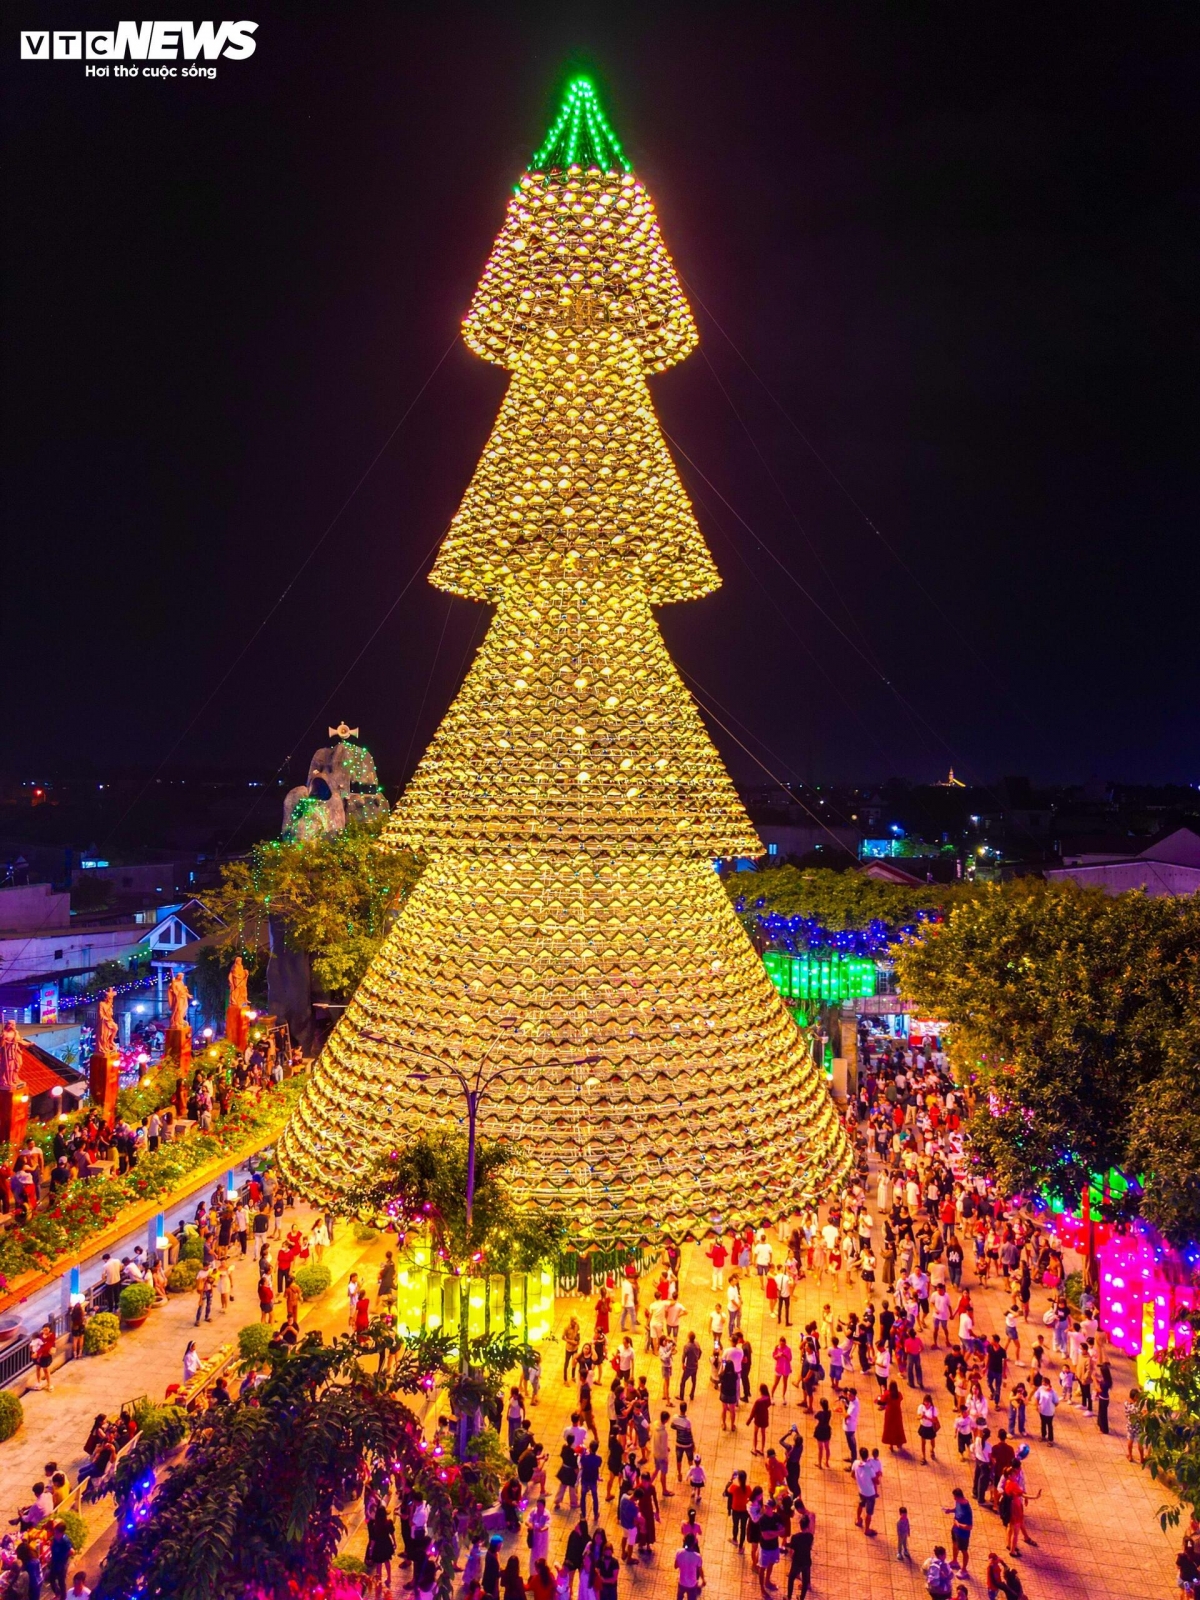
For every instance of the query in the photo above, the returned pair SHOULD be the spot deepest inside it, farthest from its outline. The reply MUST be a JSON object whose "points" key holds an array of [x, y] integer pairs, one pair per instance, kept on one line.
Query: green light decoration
{"points": [[828, 979], [581, 136]]}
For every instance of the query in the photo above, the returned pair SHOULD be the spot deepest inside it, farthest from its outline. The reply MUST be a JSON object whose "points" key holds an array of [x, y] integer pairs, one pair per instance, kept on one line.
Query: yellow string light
{"points": [[569, 924]]}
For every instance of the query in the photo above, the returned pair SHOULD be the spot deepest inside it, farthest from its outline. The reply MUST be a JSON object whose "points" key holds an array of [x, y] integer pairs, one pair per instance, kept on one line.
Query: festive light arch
{"points": [[569, 924]]}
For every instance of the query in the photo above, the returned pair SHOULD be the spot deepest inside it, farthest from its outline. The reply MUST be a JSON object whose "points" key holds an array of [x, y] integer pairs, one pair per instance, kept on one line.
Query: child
{"points": [[837, 1359], [1038, 1355], [697, 1480], [995, 1577], [902, 1532], [964, 1427], [1016, 1410], [776, 1472], [1066, 1380]]}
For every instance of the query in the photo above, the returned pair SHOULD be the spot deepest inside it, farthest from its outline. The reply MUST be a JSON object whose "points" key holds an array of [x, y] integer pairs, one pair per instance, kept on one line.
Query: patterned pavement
{"points": [[1095, 1525]]}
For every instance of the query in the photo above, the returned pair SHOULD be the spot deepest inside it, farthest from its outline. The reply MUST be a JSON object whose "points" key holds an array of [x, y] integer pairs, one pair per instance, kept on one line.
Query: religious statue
{"points": [[106, 1043], [11, 1056], [238, 983], [343, 786], [178, 998]]}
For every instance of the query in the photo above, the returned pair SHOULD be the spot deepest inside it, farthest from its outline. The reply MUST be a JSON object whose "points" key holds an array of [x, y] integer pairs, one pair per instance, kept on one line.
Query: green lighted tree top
{"points": [[580, 135]]}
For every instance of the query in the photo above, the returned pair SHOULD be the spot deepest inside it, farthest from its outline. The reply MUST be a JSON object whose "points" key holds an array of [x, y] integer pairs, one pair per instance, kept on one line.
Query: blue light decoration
{"points": [[68, 1002], [799, 935]]}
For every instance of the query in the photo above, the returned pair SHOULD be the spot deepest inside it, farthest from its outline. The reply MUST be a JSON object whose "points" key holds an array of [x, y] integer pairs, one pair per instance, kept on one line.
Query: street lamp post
{"points": [[474, 1086]]}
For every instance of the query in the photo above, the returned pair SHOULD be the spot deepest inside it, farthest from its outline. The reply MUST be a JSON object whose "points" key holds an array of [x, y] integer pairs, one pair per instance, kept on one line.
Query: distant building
{"points": [[1169, 864], [783, 839], [49, 954]]}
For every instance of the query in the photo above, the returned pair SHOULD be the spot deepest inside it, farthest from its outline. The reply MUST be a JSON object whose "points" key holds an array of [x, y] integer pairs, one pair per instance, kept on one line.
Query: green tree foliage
{"points": [[337, 895], [1070, 1012], [1164, 1138], [256, 1502], [12, 1414], [425, 1182], [837, 900], [1168, 1419]]}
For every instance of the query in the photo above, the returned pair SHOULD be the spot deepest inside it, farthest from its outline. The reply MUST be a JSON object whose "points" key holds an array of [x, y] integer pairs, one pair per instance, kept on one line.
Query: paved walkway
{"points": [[147, 1359], [1095, 1521]]}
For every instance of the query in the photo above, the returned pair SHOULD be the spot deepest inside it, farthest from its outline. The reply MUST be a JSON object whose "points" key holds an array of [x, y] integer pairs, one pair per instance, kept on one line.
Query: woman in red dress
{"points": [[892, 1405], [647, 1504]]}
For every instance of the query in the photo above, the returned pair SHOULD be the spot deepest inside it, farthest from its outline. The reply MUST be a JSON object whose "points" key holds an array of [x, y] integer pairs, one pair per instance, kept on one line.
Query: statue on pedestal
{"points": [[178, 998], [11, 1056], [238, 984], [106, 1032]]}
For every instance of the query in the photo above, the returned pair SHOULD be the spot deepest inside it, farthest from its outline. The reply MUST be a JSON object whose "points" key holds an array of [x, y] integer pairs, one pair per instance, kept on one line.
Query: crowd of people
{"points": [[874, 1309], [902, 1254]]}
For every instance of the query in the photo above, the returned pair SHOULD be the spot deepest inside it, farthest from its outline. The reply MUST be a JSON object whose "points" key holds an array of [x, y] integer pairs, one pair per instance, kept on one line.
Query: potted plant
{"points": [[11, 1414], [136, 1300], [102, 1332]]}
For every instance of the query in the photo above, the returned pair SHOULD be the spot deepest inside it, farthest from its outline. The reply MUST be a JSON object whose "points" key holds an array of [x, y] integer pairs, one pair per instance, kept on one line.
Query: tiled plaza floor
{"points": [[1094, 1522], [145, 1360]]}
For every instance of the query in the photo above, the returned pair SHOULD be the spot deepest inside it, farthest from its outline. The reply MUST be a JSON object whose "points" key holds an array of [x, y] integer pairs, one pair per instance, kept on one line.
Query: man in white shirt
{"points": [[626, 1357], [575, 1434], [941, 1315], [868, 1487], [783, 1311], [111, 1278], [628, 1305], [851, 1408], [733, 1305], [1046, 1402], [656, 1324], [762, 1257]]}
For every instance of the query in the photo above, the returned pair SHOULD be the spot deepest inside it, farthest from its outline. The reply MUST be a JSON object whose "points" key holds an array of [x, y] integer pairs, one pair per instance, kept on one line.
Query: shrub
{"points": [[365, 1233], [253, 1340], [312, 1281], [102, 1332], [182, 1277], [1073, 1289], [348, 1563], [11, 1414], [192, 1248], [136, 1300], [164, 1425], [75, 1528]]}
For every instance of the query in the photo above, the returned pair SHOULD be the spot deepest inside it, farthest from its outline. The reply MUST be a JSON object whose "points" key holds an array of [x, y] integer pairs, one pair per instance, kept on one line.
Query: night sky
{"points": [[944, 413]]}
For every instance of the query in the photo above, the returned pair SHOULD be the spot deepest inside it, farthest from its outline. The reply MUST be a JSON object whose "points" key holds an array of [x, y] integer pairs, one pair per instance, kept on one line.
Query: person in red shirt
{"points": [[362, 1316], [283, 1266], [718, 1255]]}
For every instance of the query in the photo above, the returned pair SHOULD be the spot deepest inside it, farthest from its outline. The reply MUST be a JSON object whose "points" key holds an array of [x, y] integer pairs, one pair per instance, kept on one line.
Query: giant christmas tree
{"points": [[569, 926]]}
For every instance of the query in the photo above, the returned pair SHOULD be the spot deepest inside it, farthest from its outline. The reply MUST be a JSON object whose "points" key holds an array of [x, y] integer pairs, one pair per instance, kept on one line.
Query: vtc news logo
{"points": [[142, 41]]}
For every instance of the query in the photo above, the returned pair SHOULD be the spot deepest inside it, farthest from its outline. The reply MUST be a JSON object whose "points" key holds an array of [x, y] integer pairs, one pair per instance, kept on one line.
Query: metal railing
{"points": [[18, 1357]]}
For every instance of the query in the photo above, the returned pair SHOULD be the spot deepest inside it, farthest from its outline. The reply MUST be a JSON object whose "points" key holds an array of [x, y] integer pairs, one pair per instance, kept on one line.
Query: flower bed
{"points": [[87, 1207]]}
